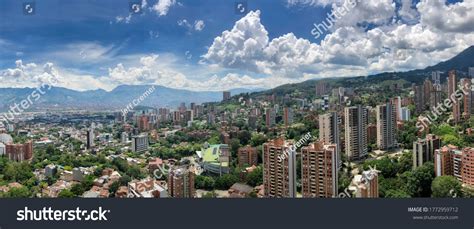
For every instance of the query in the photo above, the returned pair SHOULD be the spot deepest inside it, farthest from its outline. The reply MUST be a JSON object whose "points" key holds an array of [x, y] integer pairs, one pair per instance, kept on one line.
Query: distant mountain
{"points": [[460, 62], [118, 98]]}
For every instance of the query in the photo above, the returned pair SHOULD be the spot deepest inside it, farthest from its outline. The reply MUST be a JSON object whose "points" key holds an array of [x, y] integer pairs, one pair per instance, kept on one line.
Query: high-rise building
{"points": [[319, 170], [143, 124], [322, 88], [124, 137], [397, 107], [405, 114], [329, 131], [270, 117], [181, 182], [452, 87], [2, 149], [355, 123], [279, 168], [419, 99], [386, 126], [371, 134], [225, 95], [467, 109], [19, 152], [247, 155], [427, 89], [436, 91], [424, 149], [366, 185], [140, 143], [467, 166], [450, 161], [325, 103], [287, 116], [90, 138]]}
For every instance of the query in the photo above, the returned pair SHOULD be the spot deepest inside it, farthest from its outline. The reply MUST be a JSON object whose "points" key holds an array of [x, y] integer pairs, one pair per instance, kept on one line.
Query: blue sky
{"points": [[207, 45]]}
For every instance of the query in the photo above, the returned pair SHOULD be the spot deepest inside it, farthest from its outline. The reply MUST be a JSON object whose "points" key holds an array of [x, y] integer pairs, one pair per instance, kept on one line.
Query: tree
{"points": [[21, 192], [114, 187], [255, 178], [225, 181], [396, 193], [66, 193], [418, 182], [204, 182], [244, 137], [77, 189], [446, 186], [258, 139]]}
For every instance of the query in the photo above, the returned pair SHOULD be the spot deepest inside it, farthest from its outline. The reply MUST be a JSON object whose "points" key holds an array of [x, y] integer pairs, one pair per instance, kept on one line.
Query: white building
{"points": [[405, 114], [140, 143], [2, 149]]}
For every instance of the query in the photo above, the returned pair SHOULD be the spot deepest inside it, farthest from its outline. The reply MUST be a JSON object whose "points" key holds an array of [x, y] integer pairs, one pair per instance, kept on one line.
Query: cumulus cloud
{"points": [[457, 17], [389, 44]]}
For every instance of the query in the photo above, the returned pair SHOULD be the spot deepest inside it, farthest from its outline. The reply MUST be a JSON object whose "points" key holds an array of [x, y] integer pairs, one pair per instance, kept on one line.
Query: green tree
{"points": [[255, 177], [204, 182], [21, 192], [446, 186], [77, 189], [66, 193], [225, 181]]}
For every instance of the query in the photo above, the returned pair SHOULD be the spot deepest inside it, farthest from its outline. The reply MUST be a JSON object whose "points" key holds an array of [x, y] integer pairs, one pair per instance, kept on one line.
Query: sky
{"points": [[215, 45]]}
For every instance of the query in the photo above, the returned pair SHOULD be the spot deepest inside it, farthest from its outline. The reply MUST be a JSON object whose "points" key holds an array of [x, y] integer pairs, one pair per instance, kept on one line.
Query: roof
{"points": [[243, 188], [211, 154]]}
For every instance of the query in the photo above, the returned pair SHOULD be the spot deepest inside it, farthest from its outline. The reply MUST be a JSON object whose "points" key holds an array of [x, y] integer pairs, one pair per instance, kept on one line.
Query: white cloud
{"points": [[163, 6], [199, 25], [348, 50], [457, 17]]}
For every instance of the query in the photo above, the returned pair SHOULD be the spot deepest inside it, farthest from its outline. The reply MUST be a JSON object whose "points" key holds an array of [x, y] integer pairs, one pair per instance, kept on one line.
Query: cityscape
{"points": [[399, 127]]}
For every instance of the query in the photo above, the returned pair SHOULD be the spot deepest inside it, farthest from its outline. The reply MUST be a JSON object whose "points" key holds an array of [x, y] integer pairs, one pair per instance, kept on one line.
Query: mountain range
{"points": [[118, 98], [63, 98]]}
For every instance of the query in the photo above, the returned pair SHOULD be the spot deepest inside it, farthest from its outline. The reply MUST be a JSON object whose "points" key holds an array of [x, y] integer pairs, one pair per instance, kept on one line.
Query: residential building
{"points": [[140, 143], [19, 152], [287, 116], [386, 126], [355, 121], [2, 149], [405, 114], [247, 155], [147, 188], [329, 131], [366, 185], [452, 87], [319, 170], [424, 149], [279, 168], [270, 117], [90, 138], [467, 103], [397, 107], [181, 182]]}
